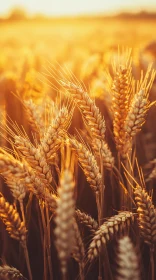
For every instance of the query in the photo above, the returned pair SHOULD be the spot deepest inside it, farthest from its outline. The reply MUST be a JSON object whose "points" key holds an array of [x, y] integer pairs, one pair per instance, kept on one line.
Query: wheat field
{"points": [[78, 149]]}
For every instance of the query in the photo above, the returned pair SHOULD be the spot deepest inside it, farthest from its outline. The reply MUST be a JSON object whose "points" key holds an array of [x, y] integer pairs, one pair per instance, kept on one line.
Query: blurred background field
{"points": [[85, 45], [74, 40]]}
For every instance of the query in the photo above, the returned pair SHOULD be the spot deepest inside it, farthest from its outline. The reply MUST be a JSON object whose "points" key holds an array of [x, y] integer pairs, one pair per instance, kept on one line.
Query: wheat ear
{"points": [[102, 150], [38, 187], [10, 273], [107, 231], [35, 157], [127, 261], [17, 187], [93, 120], [33, 117], [135, 119], [146, 215], [53, 137], [64, 219], [87, 220], [91, 114], [89, 165], [121, 93], [10, 217], [9, 166]]}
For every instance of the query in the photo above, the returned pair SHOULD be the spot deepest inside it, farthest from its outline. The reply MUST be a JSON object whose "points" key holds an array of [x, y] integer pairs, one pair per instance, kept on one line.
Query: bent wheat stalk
{"points": [[107, 231]]}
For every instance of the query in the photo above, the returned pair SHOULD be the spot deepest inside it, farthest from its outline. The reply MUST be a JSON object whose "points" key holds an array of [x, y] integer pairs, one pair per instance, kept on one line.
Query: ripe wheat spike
{"points": [[89, 165], [87, 220], [35, 157], [146, 215], [10, 273], [17, 187], [52, 139], [121, 88], [10, 217], [65, 211], [91, 114], [107, 231], [9, 166], [33, 117], [127, 261]]}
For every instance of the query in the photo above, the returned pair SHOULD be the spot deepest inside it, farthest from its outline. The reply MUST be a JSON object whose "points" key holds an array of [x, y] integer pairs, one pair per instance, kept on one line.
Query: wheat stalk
{"points": [[35, 157], [127, 260], [37, 186], [34, 117], [102, 150], [9, 166], [64, 219], [121, 93], [53, 137], [130, 105], [89, 165], [13, 169], [91, 114], [17, 187], [87, 220], [93, 120], [107, 231], [78, 250]]}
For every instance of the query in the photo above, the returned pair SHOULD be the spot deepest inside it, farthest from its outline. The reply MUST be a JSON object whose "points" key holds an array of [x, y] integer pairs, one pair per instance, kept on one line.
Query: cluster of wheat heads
{"points": [[53, 175]]}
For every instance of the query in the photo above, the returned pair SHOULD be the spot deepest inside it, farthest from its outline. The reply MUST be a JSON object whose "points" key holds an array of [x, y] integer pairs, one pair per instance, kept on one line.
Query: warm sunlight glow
{"points": [[73, 7]]}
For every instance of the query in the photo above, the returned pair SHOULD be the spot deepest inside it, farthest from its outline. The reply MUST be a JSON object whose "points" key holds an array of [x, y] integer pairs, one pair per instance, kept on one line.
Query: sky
{"points": [[74, 7]]}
